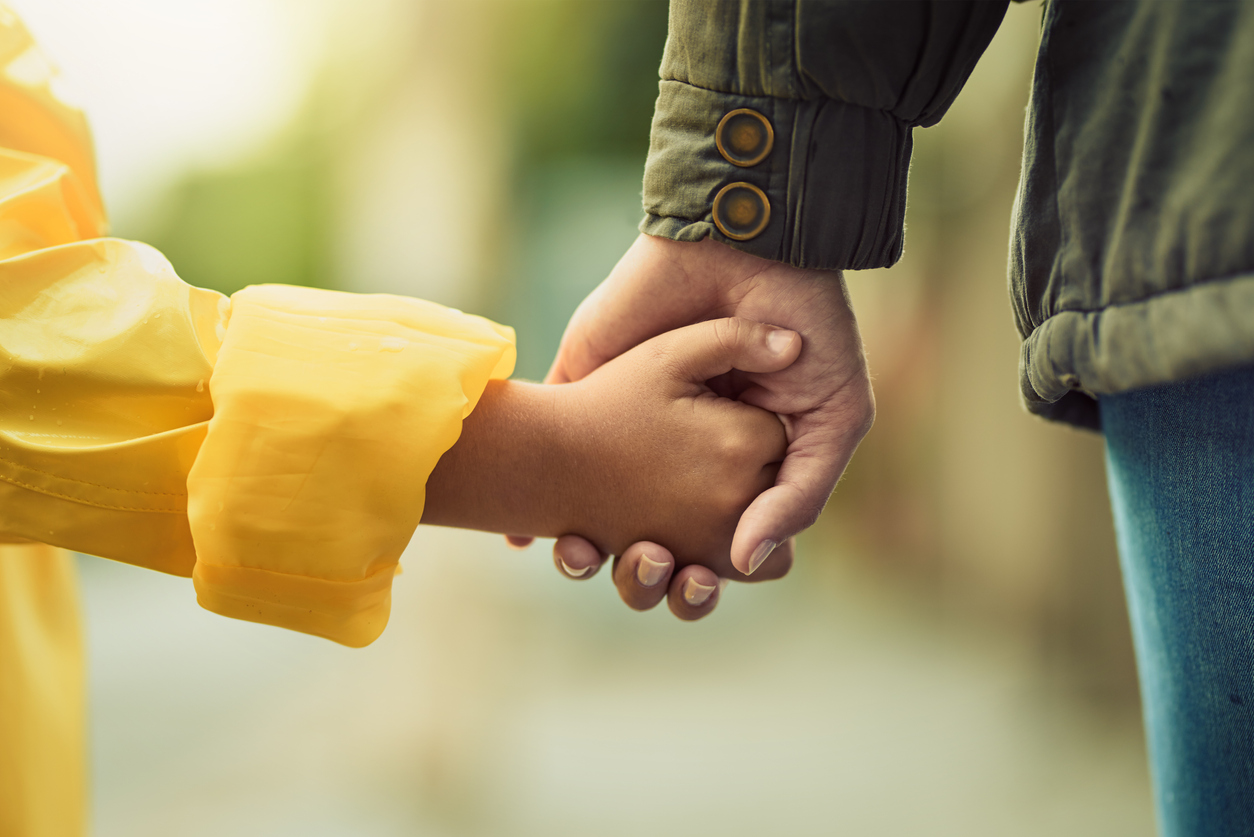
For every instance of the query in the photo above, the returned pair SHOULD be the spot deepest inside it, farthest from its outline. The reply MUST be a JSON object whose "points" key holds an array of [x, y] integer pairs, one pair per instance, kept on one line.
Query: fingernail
{"points": [[649, 572], [760, 554], [697, 594], [778, 341], [722, 584], [572, 572]]}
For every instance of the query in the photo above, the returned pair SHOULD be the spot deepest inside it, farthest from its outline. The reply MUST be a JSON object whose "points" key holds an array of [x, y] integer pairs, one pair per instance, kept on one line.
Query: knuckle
{"points": [[729, 333], [809, 515], [858, 411], [755, 443], [865, 418], [668, 358], [735, 444]]}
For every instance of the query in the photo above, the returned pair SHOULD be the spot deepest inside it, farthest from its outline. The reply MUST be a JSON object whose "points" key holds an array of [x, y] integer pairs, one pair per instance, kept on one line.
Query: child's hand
{"points": [[640, 450], [657, 456]]}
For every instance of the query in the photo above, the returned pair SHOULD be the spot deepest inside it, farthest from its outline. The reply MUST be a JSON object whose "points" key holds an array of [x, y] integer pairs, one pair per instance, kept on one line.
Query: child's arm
{"points": [[639, 450]]}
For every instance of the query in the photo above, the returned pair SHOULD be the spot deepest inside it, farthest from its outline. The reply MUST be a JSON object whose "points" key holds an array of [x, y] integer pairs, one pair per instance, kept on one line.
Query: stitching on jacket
{"points": [[888, 111], [92, 484], [794, 50], [770, 67], [729, 92], [683, 218], [39, 490]]}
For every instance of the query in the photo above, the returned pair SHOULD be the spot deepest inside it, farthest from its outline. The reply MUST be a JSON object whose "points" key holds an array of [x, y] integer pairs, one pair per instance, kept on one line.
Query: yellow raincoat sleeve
{"points": [[274, 446], [330, 412]]}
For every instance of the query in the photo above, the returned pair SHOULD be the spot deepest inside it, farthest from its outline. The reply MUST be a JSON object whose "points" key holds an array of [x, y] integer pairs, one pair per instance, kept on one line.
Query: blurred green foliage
{"points": [[579, 78], [582, 76], [265, 220]]}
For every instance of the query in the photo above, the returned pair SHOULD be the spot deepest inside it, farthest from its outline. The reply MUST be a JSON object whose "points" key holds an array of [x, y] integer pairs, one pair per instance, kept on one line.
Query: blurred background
{"points": [[951, 653]]}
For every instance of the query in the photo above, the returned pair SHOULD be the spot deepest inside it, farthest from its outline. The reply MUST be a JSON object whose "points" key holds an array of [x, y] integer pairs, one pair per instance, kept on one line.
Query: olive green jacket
{"points": [[784, 129]]}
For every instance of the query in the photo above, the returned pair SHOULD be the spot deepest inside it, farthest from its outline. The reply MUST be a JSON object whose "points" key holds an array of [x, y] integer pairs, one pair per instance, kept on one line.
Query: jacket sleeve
{"points": [[784, 128], [274, 446]]}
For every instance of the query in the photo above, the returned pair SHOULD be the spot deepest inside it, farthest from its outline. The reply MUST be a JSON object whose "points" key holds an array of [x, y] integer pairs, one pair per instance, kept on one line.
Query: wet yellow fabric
{"points": [[41, 694], [331, 411], [275, 446], [104, 359], [47, 198]]}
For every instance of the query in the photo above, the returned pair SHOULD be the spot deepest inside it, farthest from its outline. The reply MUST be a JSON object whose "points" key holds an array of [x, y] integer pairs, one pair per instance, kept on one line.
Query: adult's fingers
{"points": [[519, 541], [645, 295], [588, 340], [577, 558], [776, 565], [715, 347], [584, 346], [694, 592], [558, 372], [822, 444], [641, 574]]}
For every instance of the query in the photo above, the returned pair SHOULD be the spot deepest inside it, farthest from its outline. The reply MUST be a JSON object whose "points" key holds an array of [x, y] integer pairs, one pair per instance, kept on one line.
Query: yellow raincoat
{"points": [[274, 446]]}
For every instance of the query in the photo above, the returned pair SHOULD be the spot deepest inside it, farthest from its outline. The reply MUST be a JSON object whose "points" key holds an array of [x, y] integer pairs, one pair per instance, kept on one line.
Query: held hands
{"points": [[824, 398], [639, 452], [656, 455]]}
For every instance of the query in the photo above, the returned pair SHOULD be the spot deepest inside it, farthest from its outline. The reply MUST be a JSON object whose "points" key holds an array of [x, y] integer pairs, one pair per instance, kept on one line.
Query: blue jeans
{"points": [[1180, 463]]}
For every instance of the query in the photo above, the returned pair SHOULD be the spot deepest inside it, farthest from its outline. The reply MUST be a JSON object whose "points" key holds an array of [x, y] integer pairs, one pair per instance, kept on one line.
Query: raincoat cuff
{"points": [[330, 412]]}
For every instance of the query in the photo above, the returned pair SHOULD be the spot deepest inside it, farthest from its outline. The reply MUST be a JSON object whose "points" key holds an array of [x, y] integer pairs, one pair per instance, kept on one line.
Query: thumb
{"points": [[712, 348], [576, 354], [557, 372]]}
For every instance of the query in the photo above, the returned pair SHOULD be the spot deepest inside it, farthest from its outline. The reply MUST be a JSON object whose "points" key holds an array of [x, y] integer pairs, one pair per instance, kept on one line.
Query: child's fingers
{"points": [[577, 558], [694, 592], [641, 574], [714, 347]]}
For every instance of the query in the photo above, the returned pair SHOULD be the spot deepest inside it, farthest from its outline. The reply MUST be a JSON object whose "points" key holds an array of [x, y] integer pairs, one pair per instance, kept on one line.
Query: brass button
{"points": [[741, 211], [744, 137]]}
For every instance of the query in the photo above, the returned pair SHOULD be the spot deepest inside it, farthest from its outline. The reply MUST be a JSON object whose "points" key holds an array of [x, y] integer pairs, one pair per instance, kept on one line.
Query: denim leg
{"points": [[1180, 463]]}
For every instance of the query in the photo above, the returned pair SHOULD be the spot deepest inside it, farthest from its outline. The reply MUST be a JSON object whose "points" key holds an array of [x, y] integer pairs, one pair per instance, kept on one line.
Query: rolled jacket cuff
{"points": [[834, 180]]}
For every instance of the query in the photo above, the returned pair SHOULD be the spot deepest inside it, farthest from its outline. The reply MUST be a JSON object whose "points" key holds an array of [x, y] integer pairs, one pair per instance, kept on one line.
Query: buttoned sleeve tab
{"points": [[785, 129]]}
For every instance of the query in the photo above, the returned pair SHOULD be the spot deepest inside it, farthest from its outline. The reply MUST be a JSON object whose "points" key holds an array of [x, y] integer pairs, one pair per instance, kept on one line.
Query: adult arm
{"points": [[838, 87], [842, 85]]}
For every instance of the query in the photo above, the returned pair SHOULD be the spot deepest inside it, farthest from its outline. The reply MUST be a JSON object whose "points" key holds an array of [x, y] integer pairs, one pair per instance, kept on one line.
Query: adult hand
{"points": [[645, 574], [824, 398]]}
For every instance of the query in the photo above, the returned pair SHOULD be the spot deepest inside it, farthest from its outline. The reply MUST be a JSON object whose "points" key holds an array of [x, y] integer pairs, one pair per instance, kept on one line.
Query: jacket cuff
{"points": [[834, 180]]}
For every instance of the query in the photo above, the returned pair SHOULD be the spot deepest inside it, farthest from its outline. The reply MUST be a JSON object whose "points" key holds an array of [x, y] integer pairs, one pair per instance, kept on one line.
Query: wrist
{"points": [[509, 471], [710, 276]]}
